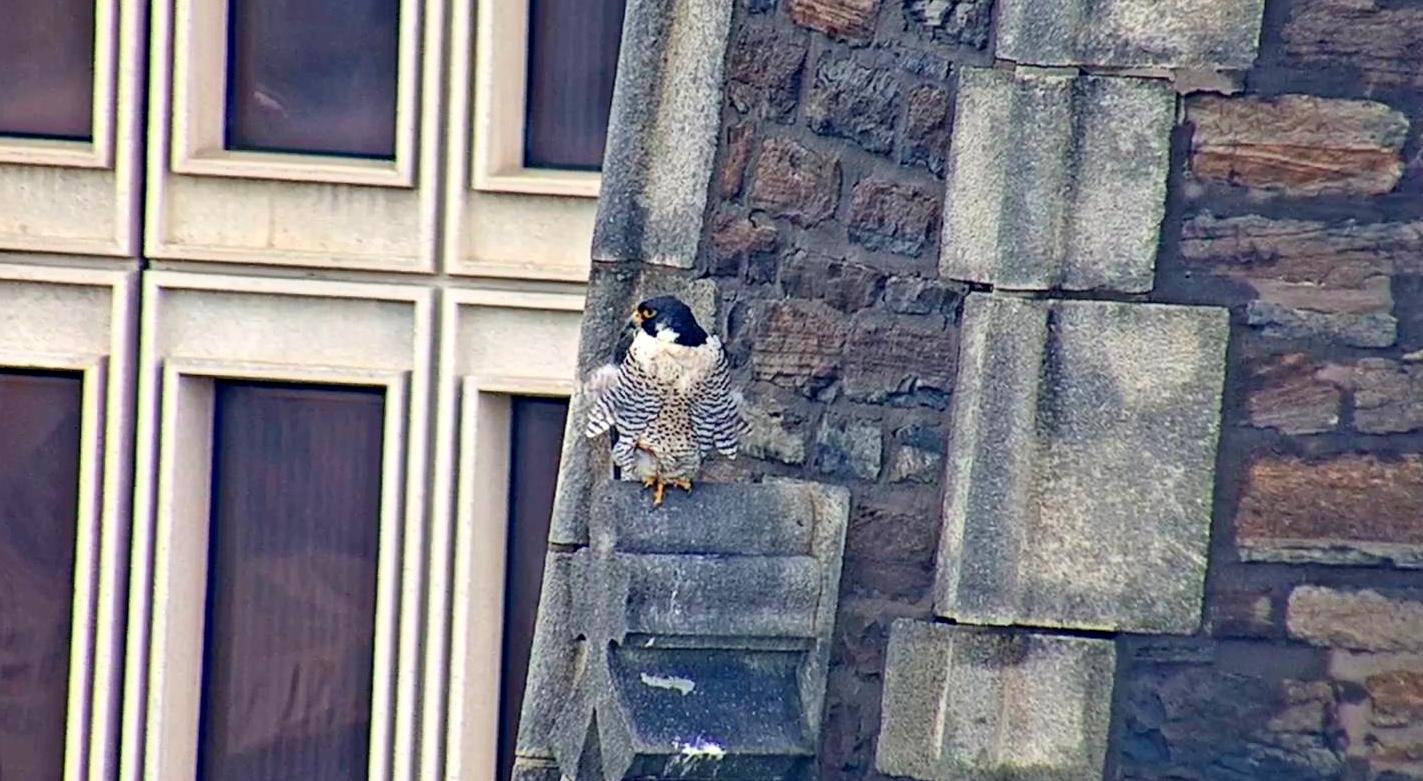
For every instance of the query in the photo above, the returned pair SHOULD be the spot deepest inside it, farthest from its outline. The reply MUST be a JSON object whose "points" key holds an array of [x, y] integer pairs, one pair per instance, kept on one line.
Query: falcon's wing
{"points": [[624, 402], [716, 410]]}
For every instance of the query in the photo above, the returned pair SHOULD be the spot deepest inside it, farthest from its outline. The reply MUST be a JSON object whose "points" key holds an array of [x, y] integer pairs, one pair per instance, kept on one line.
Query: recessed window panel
{"points": [[47, 68], [536, 442], [573, 59], [39, 504], [287, 658], [313, 76]]}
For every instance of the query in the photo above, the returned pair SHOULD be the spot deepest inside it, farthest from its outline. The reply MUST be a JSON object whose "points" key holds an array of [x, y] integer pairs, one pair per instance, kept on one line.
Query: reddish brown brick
{"points": [[839, 18], [795, 182], [1360, 620], [1298, 144], [1354, 509], [739, 139], [1378, 39], [737, 237], [888, 215], [798, 344], [1289, 394]]}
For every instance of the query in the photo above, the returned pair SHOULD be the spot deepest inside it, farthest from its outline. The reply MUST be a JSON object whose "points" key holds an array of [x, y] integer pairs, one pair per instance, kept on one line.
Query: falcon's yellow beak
{"points": [[637, 318]]}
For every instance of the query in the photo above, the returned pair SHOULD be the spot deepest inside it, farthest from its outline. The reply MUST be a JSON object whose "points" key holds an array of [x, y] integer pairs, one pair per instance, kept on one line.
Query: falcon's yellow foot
{"points": [[683, 483], [648, 481], [657, 491]]}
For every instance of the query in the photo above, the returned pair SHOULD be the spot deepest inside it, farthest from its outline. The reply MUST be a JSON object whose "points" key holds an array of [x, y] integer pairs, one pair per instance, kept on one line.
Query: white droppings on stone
{"points": [[700, 748], [682, 685]]}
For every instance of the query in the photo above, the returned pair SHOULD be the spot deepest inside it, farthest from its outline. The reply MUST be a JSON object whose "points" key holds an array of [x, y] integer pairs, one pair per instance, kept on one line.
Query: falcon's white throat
{"points": [[672, 363]]}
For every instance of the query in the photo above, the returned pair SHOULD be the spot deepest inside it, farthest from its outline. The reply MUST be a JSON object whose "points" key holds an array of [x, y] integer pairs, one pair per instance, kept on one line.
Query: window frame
{"points": [[500, 85], [472, 469], [102, 529], [199, 107], [98, 151], [172, 514]]}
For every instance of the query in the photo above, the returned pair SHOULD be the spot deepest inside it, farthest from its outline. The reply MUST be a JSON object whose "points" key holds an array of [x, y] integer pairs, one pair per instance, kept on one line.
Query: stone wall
{"points": [[1293, 198]]}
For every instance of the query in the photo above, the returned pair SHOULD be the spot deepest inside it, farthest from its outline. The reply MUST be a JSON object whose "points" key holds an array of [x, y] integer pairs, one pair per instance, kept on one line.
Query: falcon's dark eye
{"points": [[649, 313]]}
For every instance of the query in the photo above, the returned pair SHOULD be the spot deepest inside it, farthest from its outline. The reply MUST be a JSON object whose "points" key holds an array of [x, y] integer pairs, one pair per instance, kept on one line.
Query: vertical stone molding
{"points": [[1082, 464], [976, 704], [1056, 181]]}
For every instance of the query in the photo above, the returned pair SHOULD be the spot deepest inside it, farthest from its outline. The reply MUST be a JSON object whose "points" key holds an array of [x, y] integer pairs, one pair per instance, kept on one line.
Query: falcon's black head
{"points": [[667, 318]]}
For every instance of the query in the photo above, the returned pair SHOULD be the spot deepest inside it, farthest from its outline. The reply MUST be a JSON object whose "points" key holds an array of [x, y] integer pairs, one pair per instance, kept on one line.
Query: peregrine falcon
{"points": [[669, 402]]}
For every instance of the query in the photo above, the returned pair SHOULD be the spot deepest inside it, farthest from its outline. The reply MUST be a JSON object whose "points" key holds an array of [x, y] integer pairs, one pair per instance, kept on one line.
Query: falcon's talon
{"points": [[683, 483], [658, 492], [648, 481]]}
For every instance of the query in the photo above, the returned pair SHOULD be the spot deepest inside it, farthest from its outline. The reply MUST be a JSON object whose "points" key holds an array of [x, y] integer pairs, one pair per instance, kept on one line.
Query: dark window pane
{"points": [[314, 76], [573, 58], [39, 505], [291, 583], [47, 68], [537, 440]]}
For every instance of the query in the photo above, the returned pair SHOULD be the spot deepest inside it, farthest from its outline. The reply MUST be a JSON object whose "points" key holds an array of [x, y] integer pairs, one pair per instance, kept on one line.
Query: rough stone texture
{"points": [[838, 18], [798, 344], [795, 182], [926, 128], [849, 448], [1352, 510], [1363, 620], [663, 131], [738, 238], [739, 142], [899, 362], [1131, 33], [1298, 144], [666, 622], [851, 100], [845, 286], [1388, 396], [918, 296], [886, 215], [1082, 465], [772, 436], [1056, 181], [913, 464], [1382, 729], [963, 703], [1192, 721], [1292, 394], [1374, 41], [963, 22], [765, 69], [1311, 279]]}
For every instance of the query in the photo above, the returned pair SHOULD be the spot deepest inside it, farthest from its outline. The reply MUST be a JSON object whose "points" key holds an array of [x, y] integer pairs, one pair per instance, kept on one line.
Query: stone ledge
{"points": [[1056, 181], [968, 703], [1082, 465], [1131, 33]]}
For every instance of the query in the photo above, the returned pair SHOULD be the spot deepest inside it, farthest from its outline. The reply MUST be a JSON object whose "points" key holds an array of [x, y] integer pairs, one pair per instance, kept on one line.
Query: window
{"points": [[536, 441], [39, 505], [573, 58], [313, 76], [287, 670], [47, 58]]}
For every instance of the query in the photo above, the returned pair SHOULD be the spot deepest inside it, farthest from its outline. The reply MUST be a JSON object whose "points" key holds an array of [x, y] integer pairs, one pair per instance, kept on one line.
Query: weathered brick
{"points": [[926, 128], [795, 182], [915, 465], [1353, 509], [1363, 620], [798, 345], [1312, 279], [958, 21], [847, 99], [845, 286], [737, 237], [739, 140], [919, 296], [849, 448], [838, 18], [1375, 39], [1242, 612], [1388, 396], [772, 435], [888, 360], [888, 215], [1396, 697], [764, 68], [1298, 144], [1289, 394]]}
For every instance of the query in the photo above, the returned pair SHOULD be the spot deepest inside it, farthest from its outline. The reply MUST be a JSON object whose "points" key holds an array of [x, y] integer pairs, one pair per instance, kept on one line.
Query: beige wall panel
{"points": [[49, 317], [498, 342], [58, 209], [221, 325], [288, 223]]}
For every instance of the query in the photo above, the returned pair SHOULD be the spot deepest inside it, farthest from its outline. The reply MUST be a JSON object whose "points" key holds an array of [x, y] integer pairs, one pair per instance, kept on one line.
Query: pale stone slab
{"points": [[969, 703], [1082, 465], [1204, 34], [1056, 181]]}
